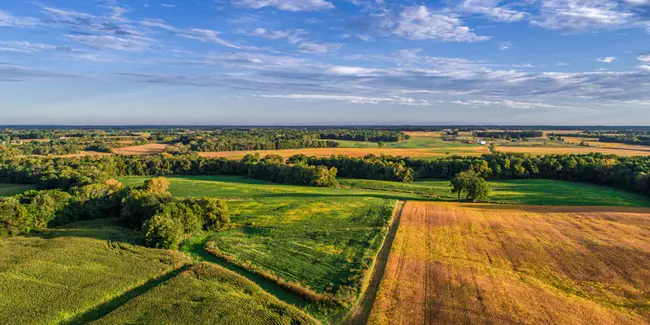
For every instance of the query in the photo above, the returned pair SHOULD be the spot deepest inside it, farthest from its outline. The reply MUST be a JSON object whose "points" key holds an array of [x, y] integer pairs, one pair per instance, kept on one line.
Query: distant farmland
{"points": [[461, 264]]}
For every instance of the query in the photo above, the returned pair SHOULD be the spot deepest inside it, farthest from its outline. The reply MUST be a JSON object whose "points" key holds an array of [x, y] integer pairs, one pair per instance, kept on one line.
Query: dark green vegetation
{"points": [[206, 294], [13, 189], [471, 185]]}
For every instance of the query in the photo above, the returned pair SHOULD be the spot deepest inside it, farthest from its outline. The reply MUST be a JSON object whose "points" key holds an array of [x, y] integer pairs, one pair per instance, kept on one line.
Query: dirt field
{"points": [[487, 264], [145, 149], [326, 152]]}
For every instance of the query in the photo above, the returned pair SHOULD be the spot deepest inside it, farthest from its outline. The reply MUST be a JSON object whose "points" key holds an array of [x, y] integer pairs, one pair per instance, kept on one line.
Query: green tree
{"points": [[158, 186], [380, 144], [161, 231], [472, 185]]}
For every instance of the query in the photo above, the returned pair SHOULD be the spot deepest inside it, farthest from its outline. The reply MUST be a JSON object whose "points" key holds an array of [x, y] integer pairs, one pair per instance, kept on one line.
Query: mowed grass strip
{"points": [[206, 294], [14, 189], [58, 276], [326, 246], [460, 263]]}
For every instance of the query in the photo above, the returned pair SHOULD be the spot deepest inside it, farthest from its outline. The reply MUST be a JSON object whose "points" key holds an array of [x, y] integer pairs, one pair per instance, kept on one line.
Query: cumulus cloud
{"points": [[644, 57], [419, 23], [286, 5], [645, 67], [582, 15], [491, 10], [608, 59]]}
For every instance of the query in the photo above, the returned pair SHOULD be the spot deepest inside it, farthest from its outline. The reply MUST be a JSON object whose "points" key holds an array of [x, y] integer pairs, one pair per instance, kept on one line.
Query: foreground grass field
{"points": [[206, 294], [13, 189], [325, 246], [535, 192], [454, 263], [65, 274]]}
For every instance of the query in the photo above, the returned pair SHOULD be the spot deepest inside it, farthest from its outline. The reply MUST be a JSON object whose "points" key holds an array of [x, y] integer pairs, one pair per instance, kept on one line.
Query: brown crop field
{"points": [[352, 152], [488, 264], [145, 149]]}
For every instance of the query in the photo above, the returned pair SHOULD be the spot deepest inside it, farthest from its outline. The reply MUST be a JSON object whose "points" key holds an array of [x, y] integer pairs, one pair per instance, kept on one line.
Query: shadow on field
{"points": [[108, 229], [378, 196], [115, 303]]}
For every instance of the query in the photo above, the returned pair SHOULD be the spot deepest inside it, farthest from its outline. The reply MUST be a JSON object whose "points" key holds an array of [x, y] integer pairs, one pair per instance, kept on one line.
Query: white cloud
{"points": [[206, 36], [644, 57], [608, 59], [130, 44], [511, 104], [354, 99], [582, 15], [167, 5], [645, 67], [315, 48], [24, 47], [419, 23], [293, 36], [286, 5], [7, 20], [355, 71], [505, 46], [365, 38], [492, 10]]}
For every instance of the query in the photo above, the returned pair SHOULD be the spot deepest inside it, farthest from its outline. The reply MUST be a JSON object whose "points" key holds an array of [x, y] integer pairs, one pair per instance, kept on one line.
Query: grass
{"points": [[530, 192], [61, 275], [461, 263], [14, 189], [206, 294]]}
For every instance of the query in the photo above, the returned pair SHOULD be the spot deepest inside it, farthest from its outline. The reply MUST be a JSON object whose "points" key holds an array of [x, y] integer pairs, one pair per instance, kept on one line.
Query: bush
{"points": [[163, 232]]}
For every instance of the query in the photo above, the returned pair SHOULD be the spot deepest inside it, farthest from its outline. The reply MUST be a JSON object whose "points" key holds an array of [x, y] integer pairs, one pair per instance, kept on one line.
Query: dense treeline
{"points": [[509, 134], [628, 173], [638, 139], [364, 135], [163, 220], [64, 173]]}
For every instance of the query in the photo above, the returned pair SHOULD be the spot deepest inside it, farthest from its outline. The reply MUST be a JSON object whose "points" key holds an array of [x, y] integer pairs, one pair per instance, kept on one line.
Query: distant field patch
{"points": [[13, 189], [145, 149], [454, 263], [206, 294]]}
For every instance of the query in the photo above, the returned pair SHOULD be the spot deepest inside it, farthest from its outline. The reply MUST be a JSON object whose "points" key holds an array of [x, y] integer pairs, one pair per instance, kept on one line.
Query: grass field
{"points": [[145, 149], [14, 189], [532, 192], [68, 272], [206, 294], [322, 245], [536, 192], [453, 264]]}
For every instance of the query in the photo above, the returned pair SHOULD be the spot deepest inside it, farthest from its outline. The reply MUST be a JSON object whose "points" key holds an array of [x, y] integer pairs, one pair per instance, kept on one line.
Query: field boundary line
{"points": [[361, 311], [107, 307]]}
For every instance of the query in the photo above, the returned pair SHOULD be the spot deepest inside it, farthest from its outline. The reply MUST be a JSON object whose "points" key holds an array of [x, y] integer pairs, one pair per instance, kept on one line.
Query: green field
{"points": [[206, 294], [324, 245], [13, 189], [67, 273], [530, 192]]}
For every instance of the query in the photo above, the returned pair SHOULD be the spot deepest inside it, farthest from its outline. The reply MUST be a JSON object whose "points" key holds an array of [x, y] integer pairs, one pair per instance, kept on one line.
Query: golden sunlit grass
{"points": [[460, 264], [145, 149]]}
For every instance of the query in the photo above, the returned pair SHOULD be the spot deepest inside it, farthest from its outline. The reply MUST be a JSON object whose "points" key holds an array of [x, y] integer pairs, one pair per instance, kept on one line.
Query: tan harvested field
{"points": [[488, 264], [576, 150], [326, 152], [145, 149], [424, 134]]}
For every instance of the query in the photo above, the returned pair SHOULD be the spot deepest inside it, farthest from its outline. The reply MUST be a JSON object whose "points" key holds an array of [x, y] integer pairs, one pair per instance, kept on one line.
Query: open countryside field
{"points": [[206, 294], [67, 273], [458, 263], [533, 191]]}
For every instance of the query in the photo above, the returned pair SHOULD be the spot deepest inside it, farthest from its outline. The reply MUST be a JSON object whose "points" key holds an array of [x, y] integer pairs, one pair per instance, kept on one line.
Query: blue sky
{"points": [[295, 62]]}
